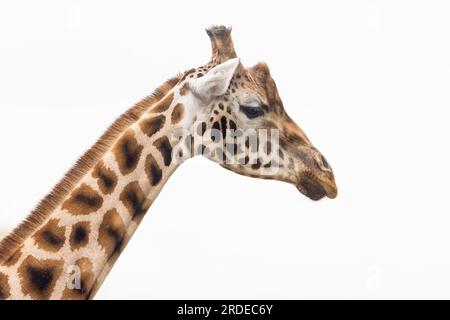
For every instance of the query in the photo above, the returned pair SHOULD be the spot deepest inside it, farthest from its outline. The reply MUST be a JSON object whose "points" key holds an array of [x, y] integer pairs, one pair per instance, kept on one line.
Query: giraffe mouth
{"points": [[313, 189]]}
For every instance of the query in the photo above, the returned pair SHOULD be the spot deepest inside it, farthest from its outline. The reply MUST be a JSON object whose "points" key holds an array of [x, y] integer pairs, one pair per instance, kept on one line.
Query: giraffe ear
{"points": [[216, 81]]}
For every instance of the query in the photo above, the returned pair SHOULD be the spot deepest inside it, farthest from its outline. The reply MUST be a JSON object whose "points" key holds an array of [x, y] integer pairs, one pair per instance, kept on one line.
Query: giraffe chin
{"points": [[312, 189]]}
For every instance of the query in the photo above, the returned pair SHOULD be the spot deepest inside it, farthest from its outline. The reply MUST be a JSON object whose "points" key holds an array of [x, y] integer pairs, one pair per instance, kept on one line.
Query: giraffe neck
{"points": [[72, 250]]}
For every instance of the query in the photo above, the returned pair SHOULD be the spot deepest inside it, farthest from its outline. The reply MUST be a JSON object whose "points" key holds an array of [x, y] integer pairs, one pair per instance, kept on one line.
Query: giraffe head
{"points": [[241, 123]]}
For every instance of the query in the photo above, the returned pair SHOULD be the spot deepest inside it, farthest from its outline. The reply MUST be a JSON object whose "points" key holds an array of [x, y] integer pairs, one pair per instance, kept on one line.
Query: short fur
{"points": [[221, 44], [11, 242]]}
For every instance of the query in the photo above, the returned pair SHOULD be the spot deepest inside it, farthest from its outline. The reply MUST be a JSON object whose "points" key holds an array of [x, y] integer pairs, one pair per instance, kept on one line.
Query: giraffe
{"points": [[69, 243]]}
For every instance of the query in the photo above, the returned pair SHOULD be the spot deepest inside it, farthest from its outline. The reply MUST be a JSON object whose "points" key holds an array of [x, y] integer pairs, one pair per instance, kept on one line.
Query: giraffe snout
{"points": [[316, 179]]}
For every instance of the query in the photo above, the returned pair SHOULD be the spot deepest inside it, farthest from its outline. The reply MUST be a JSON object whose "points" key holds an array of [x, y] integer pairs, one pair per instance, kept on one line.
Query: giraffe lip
{"points": [[312, 188]]}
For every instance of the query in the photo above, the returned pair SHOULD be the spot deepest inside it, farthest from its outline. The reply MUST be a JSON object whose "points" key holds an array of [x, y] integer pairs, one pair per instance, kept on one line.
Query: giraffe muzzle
{"points": [[315, 188]]}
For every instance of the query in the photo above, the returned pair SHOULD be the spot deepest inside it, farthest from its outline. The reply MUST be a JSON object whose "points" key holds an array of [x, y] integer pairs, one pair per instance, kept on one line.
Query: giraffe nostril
{"points": [[325, 163]]}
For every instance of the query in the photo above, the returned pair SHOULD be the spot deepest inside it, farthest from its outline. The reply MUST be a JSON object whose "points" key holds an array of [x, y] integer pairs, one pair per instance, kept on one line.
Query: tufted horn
{"points": [[221, 43]]}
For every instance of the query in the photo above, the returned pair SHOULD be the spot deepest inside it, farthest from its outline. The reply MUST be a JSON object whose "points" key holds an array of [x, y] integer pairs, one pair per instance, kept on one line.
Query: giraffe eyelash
{"points": [[252, 112]]}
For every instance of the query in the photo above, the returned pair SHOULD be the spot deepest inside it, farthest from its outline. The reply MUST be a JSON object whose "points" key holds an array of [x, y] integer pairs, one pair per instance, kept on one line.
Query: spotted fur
{"points": [[106, 178], [38, 277], [5, 289], [83, 201], [133, 199], [50, 237], [79, 235], [90, 216], [177, 113], [153, 170], [87, 279], [165, 148], [10, 243], [152, 125], [128, 152], [112, 229]]}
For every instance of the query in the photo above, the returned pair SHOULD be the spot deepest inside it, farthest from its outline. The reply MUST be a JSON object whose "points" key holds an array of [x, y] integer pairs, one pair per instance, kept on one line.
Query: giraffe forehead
{"points": [[255, 84], [267, 88]]}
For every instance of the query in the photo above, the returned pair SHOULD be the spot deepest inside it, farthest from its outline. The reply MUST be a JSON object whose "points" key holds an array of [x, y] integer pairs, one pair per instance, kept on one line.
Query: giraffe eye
{"points": [[252, 112]]}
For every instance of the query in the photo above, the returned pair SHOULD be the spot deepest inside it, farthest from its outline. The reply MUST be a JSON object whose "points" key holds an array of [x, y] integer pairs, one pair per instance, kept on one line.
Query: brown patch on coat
{"points": [[82, 289], [153, 170], [163, 104], [165, 148], [79, 236], [128, 152], [106, 178], [177, 113], [38, 277], [184, 89], [133, 199], [5, 289], [152, 125], [50, 237], [83, 200], [53, 200], [14, 258], [111, 233], [189, 73]]}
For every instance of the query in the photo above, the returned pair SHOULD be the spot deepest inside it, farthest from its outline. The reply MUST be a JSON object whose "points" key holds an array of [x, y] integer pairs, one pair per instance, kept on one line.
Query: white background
{"points": [[368, 81]]}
